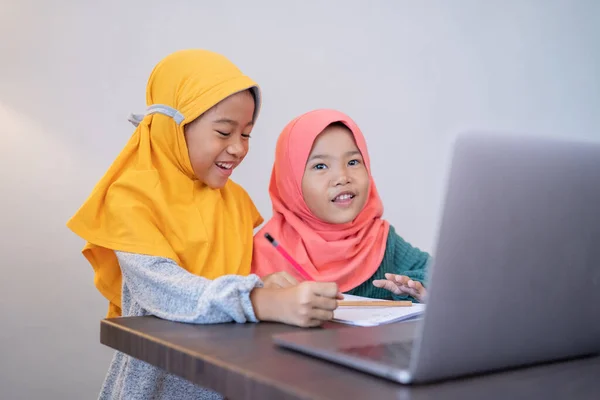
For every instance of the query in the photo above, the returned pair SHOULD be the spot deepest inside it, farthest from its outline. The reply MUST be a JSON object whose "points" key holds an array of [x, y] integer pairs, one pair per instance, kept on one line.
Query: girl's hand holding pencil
{"points": [[306, 304], [283, 299]]}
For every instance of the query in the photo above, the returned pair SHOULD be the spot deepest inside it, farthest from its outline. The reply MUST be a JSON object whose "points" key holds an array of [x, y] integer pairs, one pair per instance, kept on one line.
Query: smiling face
{"points": [[217, 141], [335, 184]]}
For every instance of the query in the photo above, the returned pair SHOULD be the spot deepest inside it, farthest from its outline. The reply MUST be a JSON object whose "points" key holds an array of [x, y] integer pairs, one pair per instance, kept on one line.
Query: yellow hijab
{"points": [[149, 201]]}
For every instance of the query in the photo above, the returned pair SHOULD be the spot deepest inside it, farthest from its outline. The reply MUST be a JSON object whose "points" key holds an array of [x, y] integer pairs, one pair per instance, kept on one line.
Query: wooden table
{"points": [[241, 362]]}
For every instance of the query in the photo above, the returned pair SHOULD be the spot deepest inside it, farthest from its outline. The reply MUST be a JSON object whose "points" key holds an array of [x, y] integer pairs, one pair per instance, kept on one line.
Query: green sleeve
{"points": [[400, 258]]}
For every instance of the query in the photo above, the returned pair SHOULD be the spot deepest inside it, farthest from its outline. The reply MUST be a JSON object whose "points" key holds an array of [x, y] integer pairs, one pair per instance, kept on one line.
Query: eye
{"points": [[246, 135], [320, 166], [353, 162], [223, 133]]}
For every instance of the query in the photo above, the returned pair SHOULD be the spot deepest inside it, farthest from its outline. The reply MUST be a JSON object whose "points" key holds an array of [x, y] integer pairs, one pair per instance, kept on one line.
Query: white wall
{"points": [[412, 74]]}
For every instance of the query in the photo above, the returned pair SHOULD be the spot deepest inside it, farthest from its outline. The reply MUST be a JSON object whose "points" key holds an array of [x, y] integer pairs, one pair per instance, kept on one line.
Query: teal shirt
{"points": [[400, 258]]}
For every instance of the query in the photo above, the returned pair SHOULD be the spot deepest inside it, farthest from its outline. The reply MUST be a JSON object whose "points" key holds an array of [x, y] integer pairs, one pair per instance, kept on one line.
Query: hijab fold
{"points": [[348, 254]]}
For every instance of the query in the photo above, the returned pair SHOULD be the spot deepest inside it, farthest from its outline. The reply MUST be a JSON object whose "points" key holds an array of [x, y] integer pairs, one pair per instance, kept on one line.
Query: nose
{"points": [[342, 178], [236, 149]]}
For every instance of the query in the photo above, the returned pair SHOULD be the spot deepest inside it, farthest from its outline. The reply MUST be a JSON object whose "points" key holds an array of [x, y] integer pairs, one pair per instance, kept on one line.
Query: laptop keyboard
{"points": [[396, 354]]}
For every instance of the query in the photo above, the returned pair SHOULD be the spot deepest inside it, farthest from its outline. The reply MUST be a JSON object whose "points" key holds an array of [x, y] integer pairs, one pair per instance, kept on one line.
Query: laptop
{"points": [[516, 276]]}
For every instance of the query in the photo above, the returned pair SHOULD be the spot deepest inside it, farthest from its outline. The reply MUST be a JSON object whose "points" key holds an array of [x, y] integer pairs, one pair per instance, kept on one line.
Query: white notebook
{"points": [[372, 316]]}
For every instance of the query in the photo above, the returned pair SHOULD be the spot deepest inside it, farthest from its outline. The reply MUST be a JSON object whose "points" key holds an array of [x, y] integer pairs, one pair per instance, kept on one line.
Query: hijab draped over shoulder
{"points": [[150, 202], [348, 254]]}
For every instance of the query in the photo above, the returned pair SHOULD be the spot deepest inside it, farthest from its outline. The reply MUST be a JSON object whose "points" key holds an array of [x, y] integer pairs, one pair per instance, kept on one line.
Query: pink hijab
{"points": [[348, 254]]}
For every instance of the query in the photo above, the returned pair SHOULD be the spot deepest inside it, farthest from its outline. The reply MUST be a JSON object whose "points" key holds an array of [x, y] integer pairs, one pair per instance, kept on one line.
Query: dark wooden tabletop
{"points": [[241, 362]]}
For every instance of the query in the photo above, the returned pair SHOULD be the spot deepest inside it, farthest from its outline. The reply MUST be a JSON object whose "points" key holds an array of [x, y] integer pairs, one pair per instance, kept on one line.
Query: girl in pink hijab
{"points": [[327, 215]]}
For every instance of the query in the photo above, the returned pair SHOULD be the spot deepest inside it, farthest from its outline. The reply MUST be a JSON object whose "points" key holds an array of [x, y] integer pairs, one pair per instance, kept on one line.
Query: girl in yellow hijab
{"points": [[169, 234]]}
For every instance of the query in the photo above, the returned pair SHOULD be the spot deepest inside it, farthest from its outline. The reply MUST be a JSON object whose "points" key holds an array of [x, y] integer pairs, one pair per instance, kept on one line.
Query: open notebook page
{"points": [[372, 316]]}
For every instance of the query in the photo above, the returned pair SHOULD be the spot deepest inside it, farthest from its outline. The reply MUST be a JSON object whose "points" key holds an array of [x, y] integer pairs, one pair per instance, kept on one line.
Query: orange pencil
{"points": [[382, 303]]}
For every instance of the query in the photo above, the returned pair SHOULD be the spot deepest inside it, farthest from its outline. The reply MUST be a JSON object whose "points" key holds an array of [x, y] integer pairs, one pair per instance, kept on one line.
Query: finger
{"points": [[325, 289], [387, 285], [400, 279], [282, 282], [340, 296], [321, 315], [420, 295], [324, 303], [306, 322], [415, 288], [271, 284], [410, 291], [278, 281], [289, 279], [313, 323], [415, 285], [398, 289]]}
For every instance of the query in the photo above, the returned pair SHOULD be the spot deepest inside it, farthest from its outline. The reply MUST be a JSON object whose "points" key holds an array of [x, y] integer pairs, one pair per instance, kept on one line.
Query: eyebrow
{"points": [[324, 157], [230, 122]]}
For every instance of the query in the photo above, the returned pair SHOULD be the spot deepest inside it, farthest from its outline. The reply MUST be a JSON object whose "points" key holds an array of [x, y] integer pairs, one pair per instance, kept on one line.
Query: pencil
{"points": [[288, 257], [350, 303]]}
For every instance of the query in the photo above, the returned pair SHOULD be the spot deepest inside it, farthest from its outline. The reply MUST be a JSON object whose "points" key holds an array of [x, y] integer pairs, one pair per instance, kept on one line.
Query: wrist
{"points": [[261, 299]]}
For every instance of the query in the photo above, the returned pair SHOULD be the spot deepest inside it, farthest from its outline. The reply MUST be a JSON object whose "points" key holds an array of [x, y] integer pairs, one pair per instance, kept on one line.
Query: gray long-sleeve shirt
{"points": [[158, 286]]}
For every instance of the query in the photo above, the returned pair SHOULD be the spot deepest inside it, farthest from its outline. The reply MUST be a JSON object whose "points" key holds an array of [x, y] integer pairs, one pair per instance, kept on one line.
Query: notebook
{"points": [[373, 316]]}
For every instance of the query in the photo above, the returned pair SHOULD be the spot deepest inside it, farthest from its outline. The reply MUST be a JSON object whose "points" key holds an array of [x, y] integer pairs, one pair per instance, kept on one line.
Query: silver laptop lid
{"points": [[527, 211]]}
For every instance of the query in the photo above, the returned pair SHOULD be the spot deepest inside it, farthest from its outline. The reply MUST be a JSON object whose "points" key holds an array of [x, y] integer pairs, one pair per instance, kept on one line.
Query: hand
{"points": [[401, 284], [279, 280], [306, 304]]}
